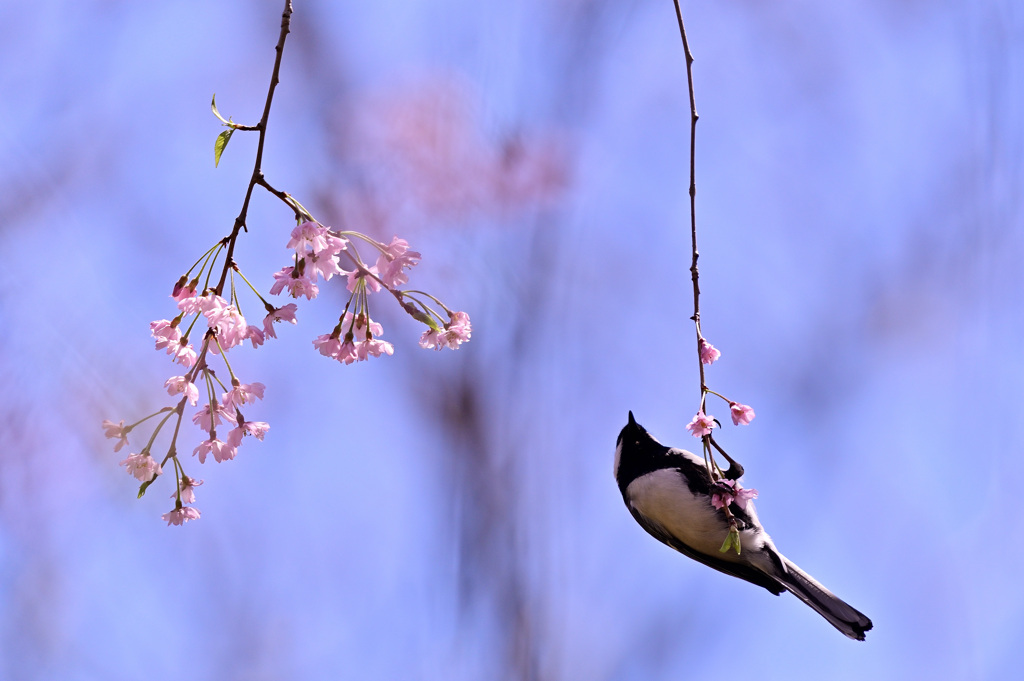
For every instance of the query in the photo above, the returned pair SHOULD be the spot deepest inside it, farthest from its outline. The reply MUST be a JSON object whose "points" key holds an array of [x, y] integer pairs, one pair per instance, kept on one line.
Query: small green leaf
{"points": [[220, 145], [145, 486], [732, 540], [215, 112], [426, 319], [420, 316]]}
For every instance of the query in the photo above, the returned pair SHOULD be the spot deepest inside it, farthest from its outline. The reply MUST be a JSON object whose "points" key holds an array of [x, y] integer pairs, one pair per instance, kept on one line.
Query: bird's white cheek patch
{"points": [[663, 497]]}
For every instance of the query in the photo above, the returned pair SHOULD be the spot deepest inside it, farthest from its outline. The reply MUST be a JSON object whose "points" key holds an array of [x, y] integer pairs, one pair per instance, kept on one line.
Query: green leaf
{"points": [[220, 145], [732, 540], [426, 319], [420, 316], [145, 486], [217, 113]]}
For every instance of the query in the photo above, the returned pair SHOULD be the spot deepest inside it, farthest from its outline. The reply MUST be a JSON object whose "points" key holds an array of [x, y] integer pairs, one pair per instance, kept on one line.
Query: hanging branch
{"points": [[694, 275], [214, 313], [726, 489]]}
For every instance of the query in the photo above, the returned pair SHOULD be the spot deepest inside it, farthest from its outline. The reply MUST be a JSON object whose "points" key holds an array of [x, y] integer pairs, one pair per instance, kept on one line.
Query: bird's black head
{"points": [[632, 433], [636, 453]]}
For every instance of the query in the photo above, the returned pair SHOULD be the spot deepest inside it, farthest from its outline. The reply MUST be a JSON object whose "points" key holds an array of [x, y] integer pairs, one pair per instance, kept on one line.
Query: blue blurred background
{"points": [[453, 515]]}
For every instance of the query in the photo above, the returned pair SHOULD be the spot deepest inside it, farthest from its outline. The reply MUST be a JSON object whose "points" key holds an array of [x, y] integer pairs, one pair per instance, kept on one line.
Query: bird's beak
{"points": [[631, 421]]}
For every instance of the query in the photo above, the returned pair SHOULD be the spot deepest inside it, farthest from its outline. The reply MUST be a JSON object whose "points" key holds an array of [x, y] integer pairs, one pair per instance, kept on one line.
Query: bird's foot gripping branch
{"points": [[688, 502]]}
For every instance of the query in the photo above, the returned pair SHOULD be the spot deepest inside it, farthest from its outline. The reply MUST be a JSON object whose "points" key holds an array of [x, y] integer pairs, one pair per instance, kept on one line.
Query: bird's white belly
{"points": [[663, 497]]}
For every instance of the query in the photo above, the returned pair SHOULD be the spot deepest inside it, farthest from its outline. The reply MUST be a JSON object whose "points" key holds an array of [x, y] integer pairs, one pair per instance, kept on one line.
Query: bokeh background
{"points": [[453, 515]]}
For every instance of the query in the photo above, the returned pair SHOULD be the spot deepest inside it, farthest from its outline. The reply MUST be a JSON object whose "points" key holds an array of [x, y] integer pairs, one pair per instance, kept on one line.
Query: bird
{"points": [[669, 492]]}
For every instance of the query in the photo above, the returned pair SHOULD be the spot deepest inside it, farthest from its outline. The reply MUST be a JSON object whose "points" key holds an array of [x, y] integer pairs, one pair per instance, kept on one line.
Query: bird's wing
{"points": [[741, 570]]}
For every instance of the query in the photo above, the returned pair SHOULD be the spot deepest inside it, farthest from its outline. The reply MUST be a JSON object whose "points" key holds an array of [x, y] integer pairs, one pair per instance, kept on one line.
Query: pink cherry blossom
{"points": [[458, 331], [166, 334], [741, 413], [222, 451], [361, 273], [235, 437], [182, 292], [708, 352], [141, 466], [296, 285], [204, 448], [281, 280], [231, 326], [399, 248], [207, 417], [346, 353], [373, 348], [328, 344], [187, 490], [359, 328], [323, 265], [212, 306], [333, 347], [433, 338], [242, 394], [180, 515], [220, 314], [335, 244], [256, 428], [726, 492], [303, 286], [112, 430], [285, 313], [184, 354], [256, 335], [360, 342], [179, 385], [744, 496], [191, 305], [701, 424], [308, 235], [396, 258]]}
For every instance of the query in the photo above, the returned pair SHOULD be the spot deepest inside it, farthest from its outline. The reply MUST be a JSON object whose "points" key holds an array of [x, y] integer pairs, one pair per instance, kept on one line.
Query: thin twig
{"points": [[257, 172], [735, 469], [693, 194]]}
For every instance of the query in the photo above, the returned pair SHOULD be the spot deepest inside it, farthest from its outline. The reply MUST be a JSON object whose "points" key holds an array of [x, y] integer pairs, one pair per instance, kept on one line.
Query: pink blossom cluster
{"points": [[359, 341], [317, 254], [356, 337], [316, 257], [702, 423], [452, 335], [726, 492]]}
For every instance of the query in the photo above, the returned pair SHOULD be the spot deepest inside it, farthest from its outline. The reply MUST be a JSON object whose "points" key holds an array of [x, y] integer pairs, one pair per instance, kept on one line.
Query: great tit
{"points": [[669, 492]]}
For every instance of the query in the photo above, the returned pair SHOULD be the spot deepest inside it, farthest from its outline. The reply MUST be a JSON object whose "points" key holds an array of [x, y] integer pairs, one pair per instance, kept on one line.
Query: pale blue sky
{"points": [[859, 184]]}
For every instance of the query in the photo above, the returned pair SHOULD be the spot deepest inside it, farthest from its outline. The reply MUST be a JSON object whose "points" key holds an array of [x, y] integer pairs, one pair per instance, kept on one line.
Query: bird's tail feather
{"points": [[840, 615]]}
